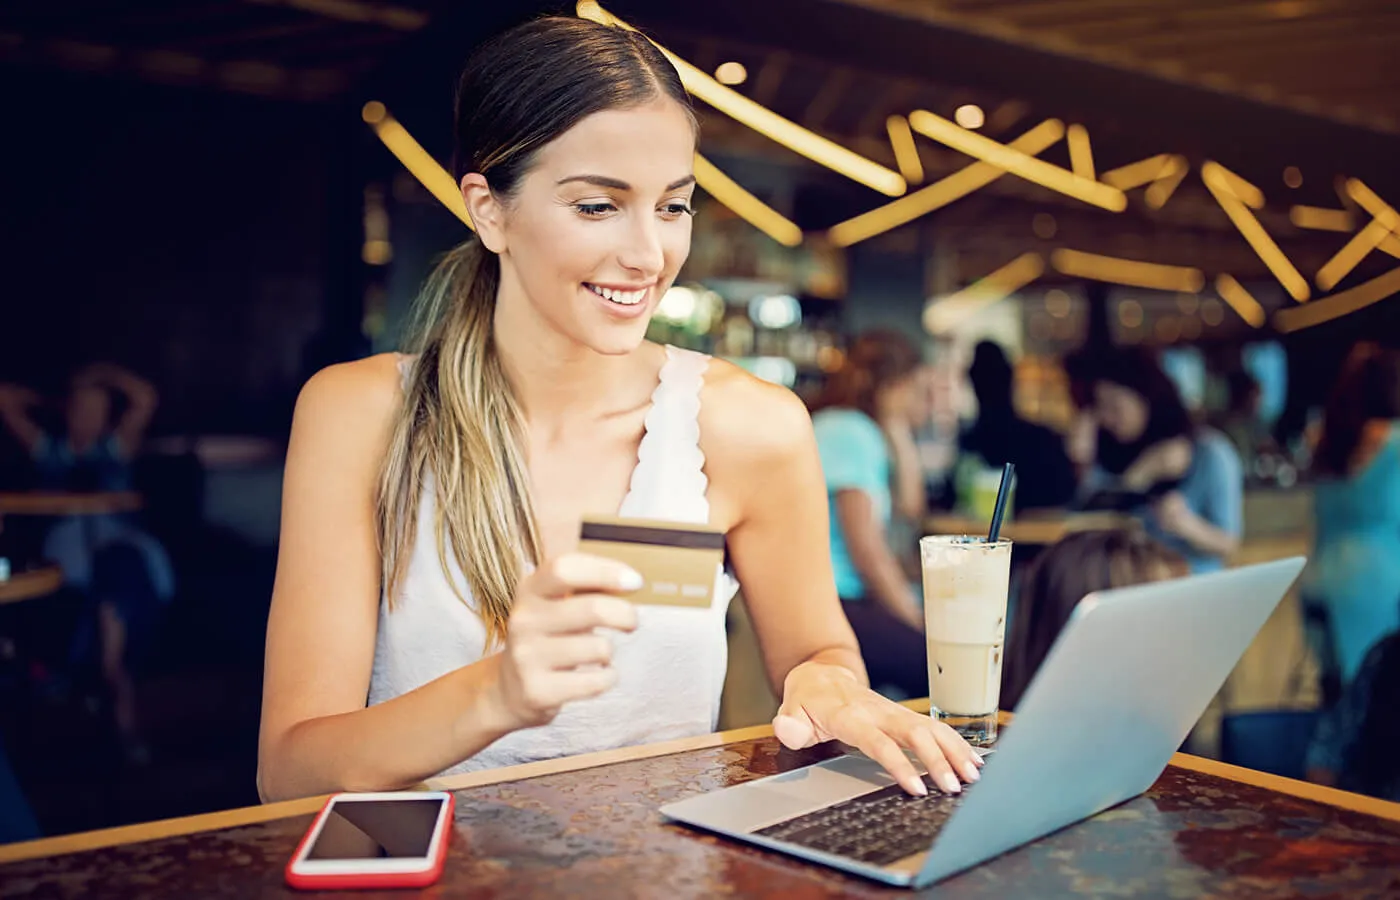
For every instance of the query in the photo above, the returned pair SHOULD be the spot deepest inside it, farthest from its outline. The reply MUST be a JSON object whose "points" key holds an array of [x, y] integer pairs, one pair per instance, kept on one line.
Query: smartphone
{"points": [[374, 840]]}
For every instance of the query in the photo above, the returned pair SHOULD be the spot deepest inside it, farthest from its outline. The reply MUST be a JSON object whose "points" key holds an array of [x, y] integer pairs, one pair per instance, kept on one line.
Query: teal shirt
{"points": [[1355, 566], [854, 456]]}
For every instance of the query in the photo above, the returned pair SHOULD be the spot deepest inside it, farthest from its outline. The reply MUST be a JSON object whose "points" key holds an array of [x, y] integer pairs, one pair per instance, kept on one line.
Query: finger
{"points": [[571, 651], [558, 688], [573, 573], [793, 728], [794, 731], [920, 739], [585, 612], [957, 750], [881, 747]]}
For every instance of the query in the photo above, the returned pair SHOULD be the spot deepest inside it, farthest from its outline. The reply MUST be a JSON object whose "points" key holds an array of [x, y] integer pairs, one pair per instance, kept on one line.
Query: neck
{"points": [[557, 381]]}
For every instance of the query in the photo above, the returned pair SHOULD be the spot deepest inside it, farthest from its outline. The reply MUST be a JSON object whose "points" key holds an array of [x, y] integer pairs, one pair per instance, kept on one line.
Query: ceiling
{"points": [[308, 50], [1330, 58], [1257, 84]]}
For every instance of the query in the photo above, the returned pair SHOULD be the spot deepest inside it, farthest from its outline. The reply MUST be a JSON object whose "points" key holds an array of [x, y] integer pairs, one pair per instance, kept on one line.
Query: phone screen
{"points": [[377, 829]]}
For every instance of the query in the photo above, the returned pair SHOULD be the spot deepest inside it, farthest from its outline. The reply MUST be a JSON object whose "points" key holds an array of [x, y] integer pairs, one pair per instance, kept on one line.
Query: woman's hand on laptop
{"points": [[822, 702]]}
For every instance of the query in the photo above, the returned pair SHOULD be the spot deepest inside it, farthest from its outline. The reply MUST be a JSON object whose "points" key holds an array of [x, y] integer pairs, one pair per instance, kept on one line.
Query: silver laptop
{"points": [[1117, 694]]}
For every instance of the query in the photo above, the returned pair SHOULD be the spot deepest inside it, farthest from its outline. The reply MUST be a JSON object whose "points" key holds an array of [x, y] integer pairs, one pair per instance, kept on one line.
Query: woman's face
{"points": [[598, 228], [1121, 411]]}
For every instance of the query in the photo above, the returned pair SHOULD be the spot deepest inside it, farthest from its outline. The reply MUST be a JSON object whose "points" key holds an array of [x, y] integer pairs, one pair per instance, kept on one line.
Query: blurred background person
{"points": [[1061, 576], [1354, 574], [864, 424], [1240, 421], [121, 571], [1045, 477], [1185, 482]]}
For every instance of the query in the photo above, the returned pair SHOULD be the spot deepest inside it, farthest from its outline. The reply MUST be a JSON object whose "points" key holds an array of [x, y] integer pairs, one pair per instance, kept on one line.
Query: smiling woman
{"points": [[431, 612]]}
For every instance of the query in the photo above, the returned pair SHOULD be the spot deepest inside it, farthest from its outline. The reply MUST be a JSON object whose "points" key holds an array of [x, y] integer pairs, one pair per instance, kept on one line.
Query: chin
{"points": [[616, 340]]}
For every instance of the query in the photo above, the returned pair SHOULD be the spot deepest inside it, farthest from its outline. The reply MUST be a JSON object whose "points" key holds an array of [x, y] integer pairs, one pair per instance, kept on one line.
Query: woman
{"points": [[1045, 476], [1063, 575], [1185, 482], [431, 510], [1355, 568], [864, 427]]}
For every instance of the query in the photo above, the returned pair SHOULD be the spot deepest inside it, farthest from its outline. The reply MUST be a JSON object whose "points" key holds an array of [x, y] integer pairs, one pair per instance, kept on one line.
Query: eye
{"points": [[677, 209], [594, 210]]}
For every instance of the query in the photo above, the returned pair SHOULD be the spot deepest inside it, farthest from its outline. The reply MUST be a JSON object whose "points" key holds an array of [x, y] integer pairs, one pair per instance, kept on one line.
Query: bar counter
{"points": [[587, 826]]}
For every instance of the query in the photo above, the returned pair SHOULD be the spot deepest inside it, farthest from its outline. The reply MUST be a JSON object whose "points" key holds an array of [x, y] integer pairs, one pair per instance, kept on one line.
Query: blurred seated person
{"points": [[122, 570], [1354, 571], [864, 422], [1045, 477], [1185, 482], [1240, 421], [1079, 564], [1357, 744]]}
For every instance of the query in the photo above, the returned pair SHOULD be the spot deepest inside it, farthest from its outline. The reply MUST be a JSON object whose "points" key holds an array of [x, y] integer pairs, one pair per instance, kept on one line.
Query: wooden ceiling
{"points": [[1329, 58]]}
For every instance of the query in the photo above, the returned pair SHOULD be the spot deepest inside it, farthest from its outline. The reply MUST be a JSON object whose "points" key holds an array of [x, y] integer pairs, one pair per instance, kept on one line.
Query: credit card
{"points": [[679, 562]]}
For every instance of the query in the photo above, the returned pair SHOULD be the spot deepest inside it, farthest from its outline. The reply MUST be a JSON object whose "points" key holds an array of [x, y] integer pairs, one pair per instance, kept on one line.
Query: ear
{"points": [[485, 211]]}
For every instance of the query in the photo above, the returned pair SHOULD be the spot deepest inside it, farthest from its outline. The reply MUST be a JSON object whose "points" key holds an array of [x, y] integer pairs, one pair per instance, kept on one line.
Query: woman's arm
{"points": [[317, 735], [141, 402], [1215, 527], [761, 454], [14, 412], [909, 493], [879, 570]]}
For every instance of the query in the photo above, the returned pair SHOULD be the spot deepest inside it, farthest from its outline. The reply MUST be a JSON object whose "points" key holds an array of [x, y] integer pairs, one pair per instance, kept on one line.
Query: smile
{"points": [[623, 298]]}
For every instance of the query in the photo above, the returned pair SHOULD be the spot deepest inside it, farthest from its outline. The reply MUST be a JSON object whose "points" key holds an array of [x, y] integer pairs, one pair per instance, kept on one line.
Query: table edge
{"points": [[254, 815]]}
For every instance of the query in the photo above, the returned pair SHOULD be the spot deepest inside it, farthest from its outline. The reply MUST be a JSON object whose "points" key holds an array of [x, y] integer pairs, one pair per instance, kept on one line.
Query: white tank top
{"points": [[670, 670]]}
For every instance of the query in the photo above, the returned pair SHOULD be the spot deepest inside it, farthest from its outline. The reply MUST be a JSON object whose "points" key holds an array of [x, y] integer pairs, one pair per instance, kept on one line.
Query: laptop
{"points": [[1122, 686]]}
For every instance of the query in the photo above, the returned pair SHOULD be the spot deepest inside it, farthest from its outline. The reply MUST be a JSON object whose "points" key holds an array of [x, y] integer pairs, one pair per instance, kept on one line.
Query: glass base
{"points": [[979, 731]]}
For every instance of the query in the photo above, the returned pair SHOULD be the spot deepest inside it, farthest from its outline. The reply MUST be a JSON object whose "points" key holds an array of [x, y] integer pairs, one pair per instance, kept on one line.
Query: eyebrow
{"points": [[618, 185]]}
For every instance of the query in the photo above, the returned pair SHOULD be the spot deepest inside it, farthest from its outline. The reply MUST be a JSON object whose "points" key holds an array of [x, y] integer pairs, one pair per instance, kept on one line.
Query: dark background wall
{"points": [[181, 233]]}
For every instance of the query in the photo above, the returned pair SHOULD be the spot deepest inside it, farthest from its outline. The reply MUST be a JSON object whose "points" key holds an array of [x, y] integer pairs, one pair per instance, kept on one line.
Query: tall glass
{"points": [[966, 581]]}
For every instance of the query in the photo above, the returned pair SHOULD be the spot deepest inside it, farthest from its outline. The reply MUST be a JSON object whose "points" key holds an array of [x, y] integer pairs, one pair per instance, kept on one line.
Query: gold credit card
{"points": [[679, 562]]}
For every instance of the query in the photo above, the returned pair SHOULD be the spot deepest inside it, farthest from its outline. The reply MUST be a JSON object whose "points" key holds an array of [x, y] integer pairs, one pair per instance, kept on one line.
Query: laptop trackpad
{"points": [[768, 801]]}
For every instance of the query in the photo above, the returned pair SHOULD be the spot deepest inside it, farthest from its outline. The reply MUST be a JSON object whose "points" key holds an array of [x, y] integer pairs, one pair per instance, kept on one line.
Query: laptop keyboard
{"points": [[877, 828]]}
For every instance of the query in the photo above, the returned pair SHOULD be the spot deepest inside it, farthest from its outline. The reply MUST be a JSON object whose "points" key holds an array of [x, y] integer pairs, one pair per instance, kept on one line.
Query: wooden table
{"points": [[587, 826], [1027, 528], [68, 503], [31, 583]]}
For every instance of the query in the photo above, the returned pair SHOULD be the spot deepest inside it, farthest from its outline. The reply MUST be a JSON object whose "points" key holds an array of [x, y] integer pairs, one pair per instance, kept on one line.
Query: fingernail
{"points": [[970, 773], [979, 759], [920, 790], [630, 580], [951, 784]]}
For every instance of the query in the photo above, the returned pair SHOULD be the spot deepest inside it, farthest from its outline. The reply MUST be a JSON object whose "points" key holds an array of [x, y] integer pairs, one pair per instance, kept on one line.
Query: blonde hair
{"points": [[460, 428], [461, 432]]}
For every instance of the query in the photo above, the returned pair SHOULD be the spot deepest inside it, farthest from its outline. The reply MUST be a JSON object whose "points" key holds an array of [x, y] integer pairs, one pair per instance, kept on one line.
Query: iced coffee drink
{"points": [[966, 580]]}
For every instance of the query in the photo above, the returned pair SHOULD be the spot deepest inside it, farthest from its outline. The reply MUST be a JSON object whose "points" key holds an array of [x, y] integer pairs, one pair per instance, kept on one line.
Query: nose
{"points": [[644, 253]]}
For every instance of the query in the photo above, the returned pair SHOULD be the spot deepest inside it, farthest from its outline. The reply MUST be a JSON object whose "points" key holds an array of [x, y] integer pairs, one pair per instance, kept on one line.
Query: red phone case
{"points": [[368, 880]]}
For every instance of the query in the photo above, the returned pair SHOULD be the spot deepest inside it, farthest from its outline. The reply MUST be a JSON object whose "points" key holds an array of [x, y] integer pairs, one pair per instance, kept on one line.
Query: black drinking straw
{"points": [[1008, 478]]}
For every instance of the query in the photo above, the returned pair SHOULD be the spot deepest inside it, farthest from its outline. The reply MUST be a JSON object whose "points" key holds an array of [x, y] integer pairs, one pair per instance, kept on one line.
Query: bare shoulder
{"points": [[747, 423], [351, 400]]}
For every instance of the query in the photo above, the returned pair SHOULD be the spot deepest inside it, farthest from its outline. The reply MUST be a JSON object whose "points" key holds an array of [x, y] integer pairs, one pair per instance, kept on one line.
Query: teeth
{"points": [[626, 298]]}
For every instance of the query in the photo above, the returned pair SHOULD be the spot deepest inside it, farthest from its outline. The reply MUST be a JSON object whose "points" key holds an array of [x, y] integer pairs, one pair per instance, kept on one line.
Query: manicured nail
{"points": [[979, 759], [920, 790], [630, 580], [951, 784], [970, 772]]}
